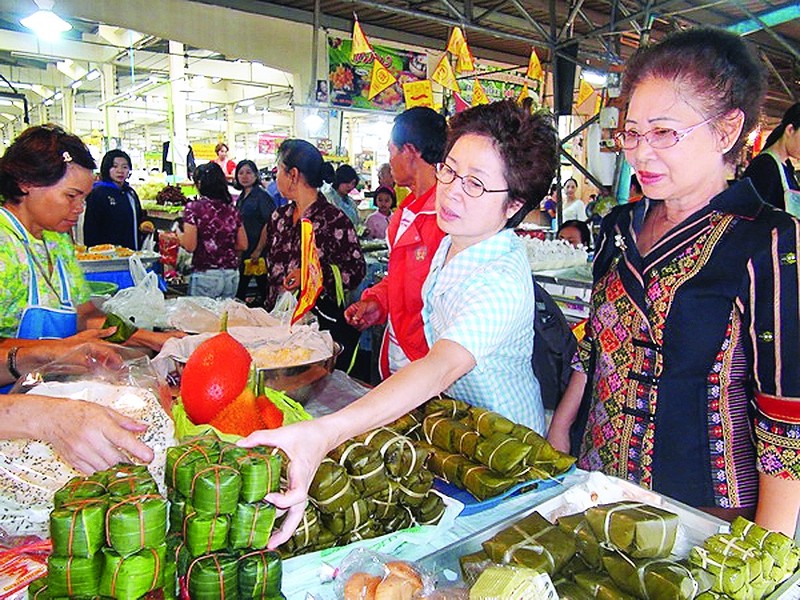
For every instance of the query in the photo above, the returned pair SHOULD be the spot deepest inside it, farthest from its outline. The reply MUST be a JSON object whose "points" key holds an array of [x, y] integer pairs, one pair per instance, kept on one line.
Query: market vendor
{"points": [[300, 167], [479, 303], [692, 342], [89, 436], [45, 176]]}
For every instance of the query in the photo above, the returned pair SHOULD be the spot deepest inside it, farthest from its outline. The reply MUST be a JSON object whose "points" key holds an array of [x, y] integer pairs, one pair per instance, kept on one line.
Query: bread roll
{"points": [[361, 586]]}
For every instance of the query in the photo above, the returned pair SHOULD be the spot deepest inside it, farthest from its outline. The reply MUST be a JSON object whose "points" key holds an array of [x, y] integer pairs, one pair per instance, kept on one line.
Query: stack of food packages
{"points": [[219, 521], [483, 452], [374, 484], [109, 538], [622, 550]]}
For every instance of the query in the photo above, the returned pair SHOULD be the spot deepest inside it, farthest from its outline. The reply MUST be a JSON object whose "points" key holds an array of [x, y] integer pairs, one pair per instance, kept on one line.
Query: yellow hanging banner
{"points": [[456, 41], [310, 272], [525, 93], [380, 80], [443, 74], [465, 63], [534, 66], [360, 43], [584, 93], [478, 94], [418, 93]]}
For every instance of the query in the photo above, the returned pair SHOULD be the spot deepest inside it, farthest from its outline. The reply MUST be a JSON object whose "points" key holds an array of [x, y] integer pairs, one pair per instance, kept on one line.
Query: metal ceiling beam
{"points": [[533, 23], [769, 31], [570, 19], [778, 76]]}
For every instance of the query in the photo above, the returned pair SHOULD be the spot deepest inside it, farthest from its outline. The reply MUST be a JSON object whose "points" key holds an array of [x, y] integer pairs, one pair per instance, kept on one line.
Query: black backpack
{"points": [[554, 345]]}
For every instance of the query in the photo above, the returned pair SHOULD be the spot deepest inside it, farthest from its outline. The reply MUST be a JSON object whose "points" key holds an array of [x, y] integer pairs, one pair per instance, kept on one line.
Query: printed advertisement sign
{"points": [[350, 80]]}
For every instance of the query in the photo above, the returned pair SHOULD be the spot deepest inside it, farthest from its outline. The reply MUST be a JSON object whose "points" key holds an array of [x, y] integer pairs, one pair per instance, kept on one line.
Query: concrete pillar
{"points": [[230, 133], [68, 109], [108, 89], [179, 142]]}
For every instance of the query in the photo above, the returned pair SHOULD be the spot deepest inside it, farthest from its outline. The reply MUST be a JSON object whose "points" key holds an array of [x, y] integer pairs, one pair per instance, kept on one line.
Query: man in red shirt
{"points": [[416, 145]]}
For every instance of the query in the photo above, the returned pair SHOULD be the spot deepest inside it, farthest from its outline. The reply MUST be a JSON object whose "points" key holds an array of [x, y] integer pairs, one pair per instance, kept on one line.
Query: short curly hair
{"points": [[39, 157], [715, 68], [526, 140]]}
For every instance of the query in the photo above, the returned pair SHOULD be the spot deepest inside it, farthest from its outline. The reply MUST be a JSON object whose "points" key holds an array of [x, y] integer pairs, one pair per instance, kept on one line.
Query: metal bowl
{"points": [[296, 381]]}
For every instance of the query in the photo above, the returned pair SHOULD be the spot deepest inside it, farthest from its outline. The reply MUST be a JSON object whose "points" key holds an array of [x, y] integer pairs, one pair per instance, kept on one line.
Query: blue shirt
{"points": [[483, 300]]}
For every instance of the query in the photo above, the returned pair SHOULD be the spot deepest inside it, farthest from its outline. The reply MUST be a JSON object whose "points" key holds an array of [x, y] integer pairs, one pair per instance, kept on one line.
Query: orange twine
{"points": [[135, 501], [263, 558], [219, 572], [188, 451], [216, 469]]}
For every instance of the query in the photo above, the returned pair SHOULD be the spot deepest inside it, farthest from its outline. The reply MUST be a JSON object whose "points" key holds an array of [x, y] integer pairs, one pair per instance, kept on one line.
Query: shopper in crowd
{"points": [[576, 233], [573, 207], [45, 176], [272, 189], [88, 436], [345, 181], [416, 144], [255, 206], [772, 172], [214, 233], [634, 190], [343, 267], [695, 299], [226, 164], [479, 299], [385, 177], [113, 212], [377, 223]]}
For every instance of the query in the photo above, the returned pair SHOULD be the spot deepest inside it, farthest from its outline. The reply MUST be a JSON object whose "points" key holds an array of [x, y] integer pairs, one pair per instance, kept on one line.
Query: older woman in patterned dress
{"points": [[692, 342]]}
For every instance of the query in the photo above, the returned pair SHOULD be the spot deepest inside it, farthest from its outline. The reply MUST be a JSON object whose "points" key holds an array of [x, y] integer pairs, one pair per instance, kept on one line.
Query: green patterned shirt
{"points": [[15, 275]]}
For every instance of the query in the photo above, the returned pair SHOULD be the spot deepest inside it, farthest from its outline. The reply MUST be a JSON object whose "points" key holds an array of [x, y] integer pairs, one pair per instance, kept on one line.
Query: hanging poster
{"points": [[350, 79], [268, 143]]}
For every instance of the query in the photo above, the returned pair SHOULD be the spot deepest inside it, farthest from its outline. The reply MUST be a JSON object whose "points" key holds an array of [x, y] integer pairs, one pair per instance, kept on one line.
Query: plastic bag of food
{"points": [[284, 307], [365, 574], [143, 304], [198, 314], [31, 472]]}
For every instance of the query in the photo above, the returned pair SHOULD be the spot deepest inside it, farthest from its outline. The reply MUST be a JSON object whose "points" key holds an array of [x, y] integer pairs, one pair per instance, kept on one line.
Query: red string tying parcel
{"points": [[78, 505], [210, 533], [186, 453], [215, 557], [216, 469], [135, 501], [156, 573], [265, 579]]}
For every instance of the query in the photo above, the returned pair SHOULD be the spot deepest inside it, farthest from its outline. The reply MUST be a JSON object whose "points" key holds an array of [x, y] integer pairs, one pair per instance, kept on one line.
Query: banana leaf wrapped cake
{"points": [[78, 528], [600, 586], [365, 466], [504, 454], [181, 462], [136, 523], [214, 577], [215, 489], [430, 510], [639, 530], [656, 579], [449, 407], [260, 575], [306, 533], [204, 533], [588, 546], [482, 482], [80, 488], [70, 576], [731, 575], [414, 488], [487, 422], [401, 456], [331, 489], [133, 576], [251, 526], [532, 542], [349, 518]]}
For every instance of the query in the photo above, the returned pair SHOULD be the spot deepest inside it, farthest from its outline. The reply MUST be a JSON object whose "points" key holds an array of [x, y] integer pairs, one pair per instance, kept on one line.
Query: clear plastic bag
{"points": [[143, 304], [284, 307], [30, 470], [363, 574]]}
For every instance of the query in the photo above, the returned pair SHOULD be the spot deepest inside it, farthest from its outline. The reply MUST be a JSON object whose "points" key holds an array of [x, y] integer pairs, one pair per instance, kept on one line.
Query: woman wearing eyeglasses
{"points": [[478, 298], [693, 338]]}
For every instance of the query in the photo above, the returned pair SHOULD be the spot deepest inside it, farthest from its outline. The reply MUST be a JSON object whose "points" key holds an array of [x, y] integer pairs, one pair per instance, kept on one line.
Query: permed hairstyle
{"points": [[246, 163], [790, 117], [527, 144], [38, 157], [423, 128], [303, 156], [108, 162], [220, 146], [716, 71], [211, 182], [345, 174]]}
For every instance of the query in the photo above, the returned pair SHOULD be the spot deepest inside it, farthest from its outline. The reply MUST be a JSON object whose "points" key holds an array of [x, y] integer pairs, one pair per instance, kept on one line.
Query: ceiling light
{"points": [[45, 23], [216, 79], [76, 84], [251, 110], [248, 102], [92, 75], [238, 110], [58, 96], [594, 78], [211, 111], [314, 122]]}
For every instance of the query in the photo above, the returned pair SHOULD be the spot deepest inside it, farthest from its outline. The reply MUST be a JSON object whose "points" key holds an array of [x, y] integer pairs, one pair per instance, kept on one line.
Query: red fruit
{"points": [[214, 375], [240, 416], [270, 414]]}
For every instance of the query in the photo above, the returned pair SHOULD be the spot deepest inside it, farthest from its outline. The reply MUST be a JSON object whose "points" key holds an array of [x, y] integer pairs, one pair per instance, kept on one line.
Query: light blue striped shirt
{"points": [[483, 300]]}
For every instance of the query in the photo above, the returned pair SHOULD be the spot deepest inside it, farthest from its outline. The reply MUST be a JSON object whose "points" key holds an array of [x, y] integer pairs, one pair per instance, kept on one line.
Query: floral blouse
{"points": [[217, 224], [336, 240]]}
